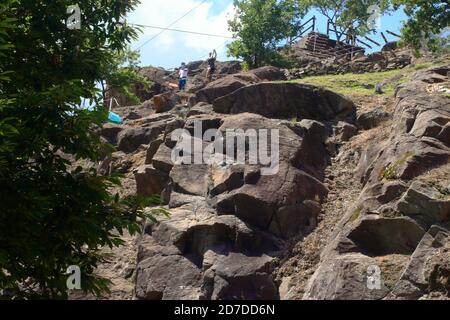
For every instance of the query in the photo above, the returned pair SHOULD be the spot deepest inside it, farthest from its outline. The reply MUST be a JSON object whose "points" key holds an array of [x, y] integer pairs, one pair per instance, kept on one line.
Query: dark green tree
{"points": [[260, 26], [426, 20], [122, 74], [54, 214]]}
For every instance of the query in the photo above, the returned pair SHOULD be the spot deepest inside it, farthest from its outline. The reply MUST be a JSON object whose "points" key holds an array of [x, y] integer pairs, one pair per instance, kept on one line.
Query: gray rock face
{"points": [[343, 278], [229, 220], [110, 132], [376, 236], [371, 119], [162, 159], [272, 200], [239, 277], [396, 217], [421, 273], [344, 131], [190, 179], [165, 101], [130, 139], [150, 181], [231, 83], [390, 46], [232, 222], [425, 203], [287, 100], [153, 282], [218, 258], [200, 108]]}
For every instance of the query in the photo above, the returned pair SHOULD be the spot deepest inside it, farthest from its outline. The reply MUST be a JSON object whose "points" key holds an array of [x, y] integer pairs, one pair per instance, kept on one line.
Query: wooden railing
{"points": [[347, 43], [311, 26]]}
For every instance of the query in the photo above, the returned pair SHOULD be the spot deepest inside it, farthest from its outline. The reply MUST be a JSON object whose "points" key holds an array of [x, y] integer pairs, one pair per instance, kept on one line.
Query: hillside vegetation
{"points": [[365, 83]]}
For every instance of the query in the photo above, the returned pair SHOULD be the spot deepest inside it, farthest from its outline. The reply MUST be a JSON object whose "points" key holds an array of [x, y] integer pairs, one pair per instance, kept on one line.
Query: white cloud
{"points": [[204, 19]]}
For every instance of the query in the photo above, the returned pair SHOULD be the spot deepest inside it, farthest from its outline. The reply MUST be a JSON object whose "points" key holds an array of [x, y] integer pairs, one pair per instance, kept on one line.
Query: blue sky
{"points": [[171, 48]]}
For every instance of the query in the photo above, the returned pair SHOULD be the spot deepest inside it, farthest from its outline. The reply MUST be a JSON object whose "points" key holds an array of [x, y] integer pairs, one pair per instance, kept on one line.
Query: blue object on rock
{"points": [[114, 118]]}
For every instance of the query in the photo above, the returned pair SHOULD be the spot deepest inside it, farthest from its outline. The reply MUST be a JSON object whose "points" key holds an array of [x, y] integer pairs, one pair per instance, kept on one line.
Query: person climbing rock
{"points": [[211, 65], [183, 75]]}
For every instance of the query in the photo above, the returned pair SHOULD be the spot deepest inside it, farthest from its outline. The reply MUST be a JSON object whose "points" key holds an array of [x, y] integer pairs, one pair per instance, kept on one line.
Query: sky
{"points": [[170, 48]]}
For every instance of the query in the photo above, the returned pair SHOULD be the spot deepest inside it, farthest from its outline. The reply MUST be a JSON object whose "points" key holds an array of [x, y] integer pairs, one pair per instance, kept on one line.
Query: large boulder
{"points": [[425, 202], [381, 236], [202, 249], [390, 46], [228, 67], [344, 131], [268, 73], [233, 82], [146, 130], [165, 101], [290, 193], [239, 277], [155, 272], [287, 100], [428, 269], [371, 119], [130, 113], [162, 159], [190, 179], [344, 278], [197, 73], [150, 181], [130, 139], [110, 131]]}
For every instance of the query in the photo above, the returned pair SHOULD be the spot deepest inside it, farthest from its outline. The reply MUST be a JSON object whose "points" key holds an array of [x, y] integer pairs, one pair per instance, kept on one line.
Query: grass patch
{"points": [[356, 214], [390, 172], [421, 66], [364, 83], [351, 83]]}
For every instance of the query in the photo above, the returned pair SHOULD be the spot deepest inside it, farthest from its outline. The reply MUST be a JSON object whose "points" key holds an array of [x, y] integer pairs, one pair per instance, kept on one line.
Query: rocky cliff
{"points": [[358, 186], [400, 220]]}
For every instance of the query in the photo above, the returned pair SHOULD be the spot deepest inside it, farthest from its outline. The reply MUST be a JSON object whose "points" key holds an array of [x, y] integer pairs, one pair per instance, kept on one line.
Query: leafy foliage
{"points": [[348, 15], [124, 71], [427, 19], [259, 26], [54, 214]]}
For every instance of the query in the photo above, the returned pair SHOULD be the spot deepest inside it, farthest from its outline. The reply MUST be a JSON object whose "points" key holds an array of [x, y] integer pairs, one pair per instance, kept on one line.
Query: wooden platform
{"points": [[321, 45]]}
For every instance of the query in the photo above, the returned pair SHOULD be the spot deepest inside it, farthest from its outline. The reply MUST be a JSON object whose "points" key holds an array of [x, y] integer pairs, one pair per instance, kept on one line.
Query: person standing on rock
{"points": [[211, 64], [183, 74]]}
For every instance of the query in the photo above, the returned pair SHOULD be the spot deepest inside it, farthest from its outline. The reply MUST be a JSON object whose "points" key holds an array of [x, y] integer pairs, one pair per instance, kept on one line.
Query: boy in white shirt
{"points": [[183, 74]]}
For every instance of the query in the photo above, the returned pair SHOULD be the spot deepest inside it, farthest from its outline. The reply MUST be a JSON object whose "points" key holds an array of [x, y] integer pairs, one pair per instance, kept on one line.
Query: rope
{"points": [[162, 31], [182, 31]]}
